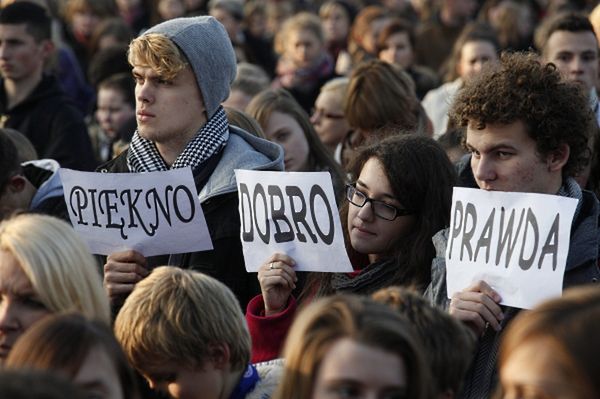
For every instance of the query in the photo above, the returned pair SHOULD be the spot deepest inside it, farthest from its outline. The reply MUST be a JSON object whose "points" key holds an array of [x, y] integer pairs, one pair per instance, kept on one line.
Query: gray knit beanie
{"points": [[208, 49]]}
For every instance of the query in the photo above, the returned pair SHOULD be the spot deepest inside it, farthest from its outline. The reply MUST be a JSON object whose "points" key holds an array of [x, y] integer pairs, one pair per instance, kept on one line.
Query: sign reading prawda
{"points": [[294, 213], [154, 213], [516, 242]]}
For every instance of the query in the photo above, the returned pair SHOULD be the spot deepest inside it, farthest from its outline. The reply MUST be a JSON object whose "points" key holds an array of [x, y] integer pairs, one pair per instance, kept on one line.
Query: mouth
{"points": [[363, 231], [143, 116], [4, 351]]}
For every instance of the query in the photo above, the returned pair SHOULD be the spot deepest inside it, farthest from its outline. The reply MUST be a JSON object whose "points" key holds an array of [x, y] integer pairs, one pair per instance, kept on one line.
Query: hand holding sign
{"points": [[516, 243], [293, 213], [277, 280], [122, 271], [477, 306]]}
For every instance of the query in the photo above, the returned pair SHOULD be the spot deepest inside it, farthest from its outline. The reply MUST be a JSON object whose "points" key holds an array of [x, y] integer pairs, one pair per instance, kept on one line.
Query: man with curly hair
{"points": [[527, 130]]}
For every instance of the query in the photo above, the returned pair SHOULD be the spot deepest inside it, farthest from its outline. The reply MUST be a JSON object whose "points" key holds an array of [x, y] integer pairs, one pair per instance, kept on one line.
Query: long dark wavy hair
{"points": [[422, 178]]}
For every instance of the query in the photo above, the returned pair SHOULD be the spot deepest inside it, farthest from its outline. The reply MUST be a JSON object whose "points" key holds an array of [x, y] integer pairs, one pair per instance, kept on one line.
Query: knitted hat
{"points": [[208, 49]]}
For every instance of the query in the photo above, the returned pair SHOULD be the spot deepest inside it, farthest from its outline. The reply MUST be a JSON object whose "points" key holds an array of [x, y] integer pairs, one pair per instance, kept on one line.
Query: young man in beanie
{"points": [[183, 69]]}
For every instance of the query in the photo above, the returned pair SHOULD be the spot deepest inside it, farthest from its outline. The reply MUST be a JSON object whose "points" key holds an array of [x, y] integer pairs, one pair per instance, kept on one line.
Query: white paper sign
{"points": [[516, 242], [294, 213], [154, 213]]}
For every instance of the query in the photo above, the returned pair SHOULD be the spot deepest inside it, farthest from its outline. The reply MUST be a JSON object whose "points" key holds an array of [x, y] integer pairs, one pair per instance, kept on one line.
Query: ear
{"points": [[47, 48], [16, 184], [220, 355], [558, 158]]}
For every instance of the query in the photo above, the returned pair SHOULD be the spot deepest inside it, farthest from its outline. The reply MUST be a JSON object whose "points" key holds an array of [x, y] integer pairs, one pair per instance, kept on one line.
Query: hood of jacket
{"points": [[50, 188], [243, 151]]}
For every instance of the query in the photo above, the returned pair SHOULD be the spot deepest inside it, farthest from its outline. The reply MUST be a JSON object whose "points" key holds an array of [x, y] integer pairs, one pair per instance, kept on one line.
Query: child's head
{"points": [[183, 330]]}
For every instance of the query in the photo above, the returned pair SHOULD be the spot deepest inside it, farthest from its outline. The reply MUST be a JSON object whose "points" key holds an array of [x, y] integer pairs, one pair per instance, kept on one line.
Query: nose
{"points": [[576, 66], [303, 53], [315, 118], [8, 317], [3, 51], [366, 212], [483, 168], [144, 93]]}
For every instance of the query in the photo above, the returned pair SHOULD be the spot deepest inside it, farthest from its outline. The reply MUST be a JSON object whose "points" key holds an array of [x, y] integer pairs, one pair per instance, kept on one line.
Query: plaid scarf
{"points": [[143, 156]]}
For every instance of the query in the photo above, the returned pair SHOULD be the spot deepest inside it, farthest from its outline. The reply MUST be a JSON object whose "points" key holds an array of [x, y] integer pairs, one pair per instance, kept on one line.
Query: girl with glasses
{"points": [[401, 196]]}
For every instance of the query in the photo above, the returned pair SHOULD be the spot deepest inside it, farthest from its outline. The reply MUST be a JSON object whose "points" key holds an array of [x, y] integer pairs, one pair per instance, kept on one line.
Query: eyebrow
{"points": [[384, 195], [490, 149]]}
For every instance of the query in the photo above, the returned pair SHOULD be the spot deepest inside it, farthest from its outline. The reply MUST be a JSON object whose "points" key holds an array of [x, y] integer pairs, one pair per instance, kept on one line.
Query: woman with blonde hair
{"points": [[343, 344], [550, 352], [328, 116], [304, 64], [44, 269]]}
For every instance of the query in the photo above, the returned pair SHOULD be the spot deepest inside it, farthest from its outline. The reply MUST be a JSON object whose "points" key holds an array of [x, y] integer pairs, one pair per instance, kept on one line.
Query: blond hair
{"points": [[299, 22], [158, 52], [58, 264], [179, 315], [337, 85]]}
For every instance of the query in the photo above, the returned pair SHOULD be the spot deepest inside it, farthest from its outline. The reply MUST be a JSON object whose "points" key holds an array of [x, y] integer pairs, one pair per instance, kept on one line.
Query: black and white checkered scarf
{"points": [[143, 156]]}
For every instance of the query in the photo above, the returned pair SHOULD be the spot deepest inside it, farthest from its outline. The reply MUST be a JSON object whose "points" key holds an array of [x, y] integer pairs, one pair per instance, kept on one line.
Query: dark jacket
{"points": [[582, 268], [52, 123], [48, 198], [219, 200]]}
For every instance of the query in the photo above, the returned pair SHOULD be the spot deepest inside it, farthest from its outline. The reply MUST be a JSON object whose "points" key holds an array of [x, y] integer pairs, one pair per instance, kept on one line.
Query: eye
{"points": [[33, 303], [345, 391], [589, 57], [503, 154], [281, 136]]}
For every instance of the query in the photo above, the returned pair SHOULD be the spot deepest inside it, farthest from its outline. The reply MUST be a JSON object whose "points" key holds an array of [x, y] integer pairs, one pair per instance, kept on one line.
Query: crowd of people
{"points": [[398, 101]]}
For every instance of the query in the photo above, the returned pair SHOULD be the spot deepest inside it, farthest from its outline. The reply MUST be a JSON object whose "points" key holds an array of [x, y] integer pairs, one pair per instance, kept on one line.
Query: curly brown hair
{"points": [[520, 88]]}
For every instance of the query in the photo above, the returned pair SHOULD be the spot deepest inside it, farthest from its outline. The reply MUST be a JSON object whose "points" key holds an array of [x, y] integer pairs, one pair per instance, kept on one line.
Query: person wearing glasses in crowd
{"points": [[401, 194], [328, 116]]}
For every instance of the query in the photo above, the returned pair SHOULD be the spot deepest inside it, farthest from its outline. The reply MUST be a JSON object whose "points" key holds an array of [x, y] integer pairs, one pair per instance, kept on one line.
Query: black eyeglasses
{"points": [[380, 208]]}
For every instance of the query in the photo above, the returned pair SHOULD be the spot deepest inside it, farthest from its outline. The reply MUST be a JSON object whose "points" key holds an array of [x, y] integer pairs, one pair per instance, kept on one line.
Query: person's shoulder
{"points": [[270, 373], [248, 151], [115, 165]]}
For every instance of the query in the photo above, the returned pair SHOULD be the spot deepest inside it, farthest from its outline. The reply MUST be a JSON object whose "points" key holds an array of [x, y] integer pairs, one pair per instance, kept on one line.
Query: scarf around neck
{"points": [[373, 277], [143, 156]]}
